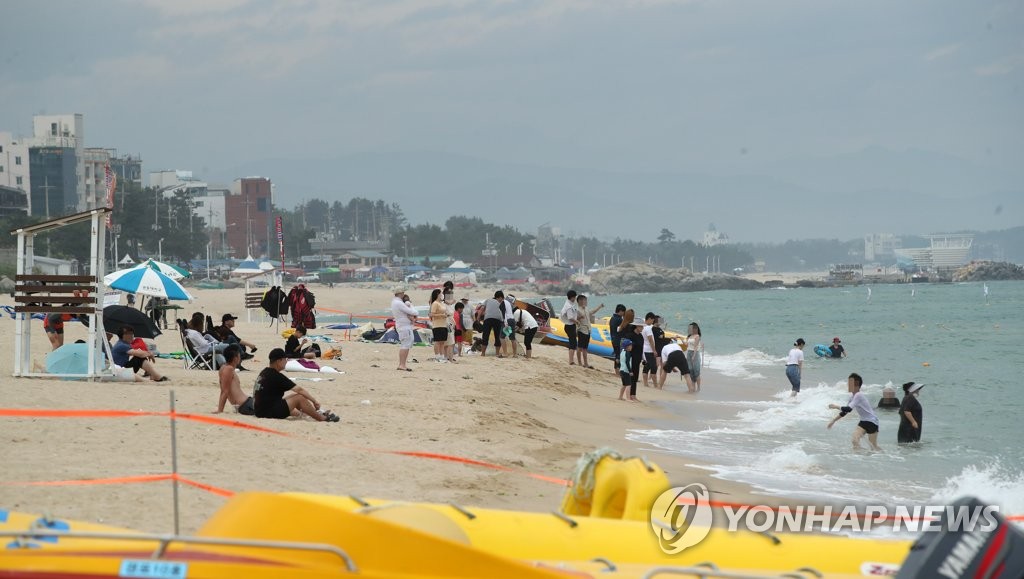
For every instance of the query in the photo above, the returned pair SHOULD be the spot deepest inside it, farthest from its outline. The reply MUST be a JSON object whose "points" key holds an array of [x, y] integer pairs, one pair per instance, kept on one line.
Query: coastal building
{"points": [[128, 168], [95, 162], [13, 201], [880, 246], [14, 164], [53, 133], [247, 211], [713, 237], [944, 251], [54, 185]]}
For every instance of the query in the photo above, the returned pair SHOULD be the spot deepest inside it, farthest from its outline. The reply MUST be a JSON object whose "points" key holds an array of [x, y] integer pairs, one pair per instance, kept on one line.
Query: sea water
{"points": [[966, 346]]}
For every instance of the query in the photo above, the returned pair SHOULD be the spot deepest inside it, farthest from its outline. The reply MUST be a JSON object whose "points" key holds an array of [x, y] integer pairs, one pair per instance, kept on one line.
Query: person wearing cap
{"points": [[626, 369], [868, 419], [795, 365], [271, 401], [837, 348], [404, 315], [225, 332], [230, 387], [911, 415]]}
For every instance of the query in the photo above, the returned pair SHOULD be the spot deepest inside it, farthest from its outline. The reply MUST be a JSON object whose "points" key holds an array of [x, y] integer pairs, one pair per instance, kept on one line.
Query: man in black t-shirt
{"points": [[271, 401], [613, 332]]}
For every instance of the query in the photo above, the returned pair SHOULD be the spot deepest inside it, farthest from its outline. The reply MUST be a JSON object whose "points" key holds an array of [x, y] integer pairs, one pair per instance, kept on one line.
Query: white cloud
{"points": [[942, 51], [178, 8], [1003, 66]]}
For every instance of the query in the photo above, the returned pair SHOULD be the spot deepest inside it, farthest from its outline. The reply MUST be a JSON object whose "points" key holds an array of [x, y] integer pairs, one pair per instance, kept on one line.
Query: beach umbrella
{"points": [[117, 317], [71, 359], [171, 271], [148, 282]]}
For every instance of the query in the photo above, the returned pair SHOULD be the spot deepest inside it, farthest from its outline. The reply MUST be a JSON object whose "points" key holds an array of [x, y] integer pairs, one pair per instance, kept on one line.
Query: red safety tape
{"points": [[92, 481], [22, 413], [203, 486]]}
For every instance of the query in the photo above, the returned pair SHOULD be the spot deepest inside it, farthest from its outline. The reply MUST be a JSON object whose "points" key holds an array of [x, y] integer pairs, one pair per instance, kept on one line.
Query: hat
{"points": [[626, 343], [911, 387], [276, 354], [227, 317], [799, 342], [836, 339], [398, 289]]}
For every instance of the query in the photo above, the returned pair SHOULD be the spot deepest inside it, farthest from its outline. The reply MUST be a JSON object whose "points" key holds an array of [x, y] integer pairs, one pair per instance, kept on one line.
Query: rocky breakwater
{"points": [[634, 277], [989, 271]]}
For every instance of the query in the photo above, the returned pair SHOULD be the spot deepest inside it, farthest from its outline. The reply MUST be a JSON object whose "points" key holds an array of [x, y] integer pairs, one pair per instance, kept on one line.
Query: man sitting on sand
{"points": [[127, 354], [269, 396], [230, 388], [868, 420]]}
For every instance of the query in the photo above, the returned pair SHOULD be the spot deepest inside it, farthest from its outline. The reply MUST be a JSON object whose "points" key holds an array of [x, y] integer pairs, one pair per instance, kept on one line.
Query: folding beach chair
{"points": [[193, 360]]}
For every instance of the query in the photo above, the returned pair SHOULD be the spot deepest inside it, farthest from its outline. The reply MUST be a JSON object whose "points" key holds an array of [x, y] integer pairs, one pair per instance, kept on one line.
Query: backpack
{"points": [[300, 303], [274, 302]]}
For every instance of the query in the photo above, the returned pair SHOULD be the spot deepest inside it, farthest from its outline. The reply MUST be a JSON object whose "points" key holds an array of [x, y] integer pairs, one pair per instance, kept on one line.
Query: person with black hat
{"points": [[225, 332], [269, 396], [911, 414], [795, 364]]}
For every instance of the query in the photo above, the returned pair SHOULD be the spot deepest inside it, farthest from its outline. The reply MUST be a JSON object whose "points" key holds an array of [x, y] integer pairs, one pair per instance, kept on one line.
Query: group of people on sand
{"points": [[639, 346], [911, 412], [453, 325]]}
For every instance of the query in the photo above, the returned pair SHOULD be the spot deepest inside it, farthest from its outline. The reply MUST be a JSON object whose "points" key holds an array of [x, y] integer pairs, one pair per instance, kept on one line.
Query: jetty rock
{"points": [[639, 277], [989, 271]]}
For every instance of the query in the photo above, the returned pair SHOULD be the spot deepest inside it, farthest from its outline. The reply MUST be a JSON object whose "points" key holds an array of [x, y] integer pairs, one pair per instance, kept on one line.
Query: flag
{"points": [[280, 239], [110, 182]]}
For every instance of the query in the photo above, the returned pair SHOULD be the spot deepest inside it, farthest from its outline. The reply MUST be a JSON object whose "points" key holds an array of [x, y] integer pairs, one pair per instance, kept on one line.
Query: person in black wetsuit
{"points": [[613, 332], [911, 415]]}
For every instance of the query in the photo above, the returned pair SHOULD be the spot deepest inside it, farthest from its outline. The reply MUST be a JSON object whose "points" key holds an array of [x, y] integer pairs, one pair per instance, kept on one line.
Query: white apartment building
{"points": [[95, 163], [64, 131], [14, 167], [880, 246], [208, 202]]}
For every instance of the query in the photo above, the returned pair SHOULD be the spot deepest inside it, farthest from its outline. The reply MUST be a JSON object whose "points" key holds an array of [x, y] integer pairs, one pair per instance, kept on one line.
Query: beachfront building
{"points": [[713, 237], [880, 246], [54, 185], [54, 135], [14, 165], [95, 162], [247, 209], [944, 252], [128, 168]]}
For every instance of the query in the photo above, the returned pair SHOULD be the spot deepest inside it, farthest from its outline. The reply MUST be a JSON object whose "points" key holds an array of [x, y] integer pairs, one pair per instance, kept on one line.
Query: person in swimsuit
{"points": [[230, 388]]}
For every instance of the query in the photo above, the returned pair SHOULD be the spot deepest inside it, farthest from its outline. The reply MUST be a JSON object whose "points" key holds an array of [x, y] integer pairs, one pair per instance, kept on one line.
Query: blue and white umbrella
{"points": [[171, 271], [146, 281]]}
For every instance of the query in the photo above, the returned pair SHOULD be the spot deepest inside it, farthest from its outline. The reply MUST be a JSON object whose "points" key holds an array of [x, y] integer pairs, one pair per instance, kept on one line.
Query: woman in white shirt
{"points": [[795, 365], [525, 321]]}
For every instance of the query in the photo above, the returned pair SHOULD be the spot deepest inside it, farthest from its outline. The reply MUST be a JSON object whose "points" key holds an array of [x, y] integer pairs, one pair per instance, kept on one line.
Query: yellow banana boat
{"points": [[603, 530]]}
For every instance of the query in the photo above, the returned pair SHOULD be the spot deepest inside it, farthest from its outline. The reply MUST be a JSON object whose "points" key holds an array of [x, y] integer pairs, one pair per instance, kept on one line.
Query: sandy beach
{"points": [[533, 418]]}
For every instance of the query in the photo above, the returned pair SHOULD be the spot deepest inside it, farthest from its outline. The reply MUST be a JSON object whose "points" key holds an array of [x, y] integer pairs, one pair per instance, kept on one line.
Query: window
{"points": [[1, 168], [18, 180], [261, 204], [1, 148], [53, 129], [17, 160]]}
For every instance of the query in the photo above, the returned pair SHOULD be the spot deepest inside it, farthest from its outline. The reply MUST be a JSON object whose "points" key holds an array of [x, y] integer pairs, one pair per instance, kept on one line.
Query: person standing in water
{"points": [[911, 414], [868, 420], [694, 352], [795, 365], [836, 349]]}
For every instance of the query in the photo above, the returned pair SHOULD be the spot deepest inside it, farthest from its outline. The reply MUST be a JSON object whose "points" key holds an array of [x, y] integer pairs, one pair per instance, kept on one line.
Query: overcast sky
{"points": [[719, 87]]}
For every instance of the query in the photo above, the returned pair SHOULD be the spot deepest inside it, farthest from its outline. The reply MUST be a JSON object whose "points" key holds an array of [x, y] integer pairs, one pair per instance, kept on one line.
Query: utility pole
{"points": [[46, 194]]}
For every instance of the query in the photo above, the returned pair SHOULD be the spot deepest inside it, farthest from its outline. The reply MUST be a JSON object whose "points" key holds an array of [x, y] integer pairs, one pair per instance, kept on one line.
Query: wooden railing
{"points": [[55, 294]]}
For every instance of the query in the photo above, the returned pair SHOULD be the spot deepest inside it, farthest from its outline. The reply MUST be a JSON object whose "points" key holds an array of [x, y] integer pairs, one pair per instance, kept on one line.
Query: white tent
{"points": [[127, 260], [247, 267], [458, 264]]}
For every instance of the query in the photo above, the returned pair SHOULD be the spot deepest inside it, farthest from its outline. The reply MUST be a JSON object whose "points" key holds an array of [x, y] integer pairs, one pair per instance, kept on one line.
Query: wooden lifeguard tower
{"points": [[60, 294]]}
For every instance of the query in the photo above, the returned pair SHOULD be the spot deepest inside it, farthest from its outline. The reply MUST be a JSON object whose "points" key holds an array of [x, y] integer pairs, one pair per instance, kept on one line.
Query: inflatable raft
{"points": [[604, 529], [600, 337]]}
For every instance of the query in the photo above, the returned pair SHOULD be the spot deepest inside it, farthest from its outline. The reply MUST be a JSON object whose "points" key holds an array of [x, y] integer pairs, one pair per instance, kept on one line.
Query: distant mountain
{"points": [[807, 203]]}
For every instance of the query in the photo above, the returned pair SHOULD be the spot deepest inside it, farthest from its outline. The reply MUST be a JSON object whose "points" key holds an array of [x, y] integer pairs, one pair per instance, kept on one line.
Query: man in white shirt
{"points": [[673, 357], [568, 317], [868, 419], [404, 315], [652, 357]]}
